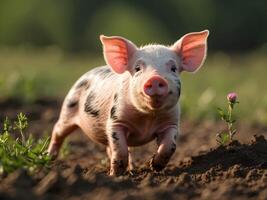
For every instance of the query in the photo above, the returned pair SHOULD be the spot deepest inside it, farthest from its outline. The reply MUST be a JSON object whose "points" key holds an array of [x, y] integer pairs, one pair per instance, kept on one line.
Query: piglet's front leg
{"points": [[118, 150], [166, 148]]}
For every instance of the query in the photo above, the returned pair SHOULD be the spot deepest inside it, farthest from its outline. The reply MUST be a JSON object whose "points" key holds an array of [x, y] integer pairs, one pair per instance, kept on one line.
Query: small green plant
{"points": [[21, 152], [225, 137]]}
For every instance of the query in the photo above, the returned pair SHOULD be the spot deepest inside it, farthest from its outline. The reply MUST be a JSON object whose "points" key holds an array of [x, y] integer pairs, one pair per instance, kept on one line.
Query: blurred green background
{"points": [[46, 45]]}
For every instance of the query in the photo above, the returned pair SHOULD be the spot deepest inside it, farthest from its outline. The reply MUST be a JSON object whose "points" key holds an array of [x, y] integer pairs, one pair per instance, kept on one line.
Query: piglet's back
{"points": [[95, 100]]}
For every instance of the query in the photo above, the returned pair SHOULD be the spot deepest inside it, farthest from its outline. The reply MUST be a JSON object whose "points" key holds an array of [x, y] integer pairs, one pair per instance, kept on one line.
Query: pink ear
{"points": [[117, 52], [192, 49]]}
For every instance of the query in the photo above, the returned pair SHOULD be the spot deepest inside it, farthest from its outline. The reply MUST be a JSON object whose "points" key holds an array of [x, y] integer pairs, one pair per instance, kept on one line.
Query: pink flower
{"points": [[232, 97]]}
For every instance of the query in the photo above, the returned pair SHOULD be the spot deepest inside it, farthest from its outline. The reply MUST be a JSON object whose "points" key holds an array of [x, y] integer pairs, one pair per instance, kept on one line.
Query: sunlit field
{"points": [[219, 148], [29, 74]]}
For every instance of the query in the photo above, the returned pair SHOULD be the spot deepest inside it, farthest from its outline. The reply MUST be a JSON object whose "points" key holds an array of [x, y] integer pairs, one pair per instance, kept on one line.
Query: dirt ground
{"points": [[198, 170]]}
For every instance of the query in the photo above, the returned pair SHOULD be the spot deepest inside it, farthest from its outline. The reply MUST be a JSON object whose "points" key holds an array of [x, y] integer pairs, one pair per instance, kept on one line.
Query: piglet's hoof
{"points": [[155, 166], [53, 151], [116, 172], [118, 168]]}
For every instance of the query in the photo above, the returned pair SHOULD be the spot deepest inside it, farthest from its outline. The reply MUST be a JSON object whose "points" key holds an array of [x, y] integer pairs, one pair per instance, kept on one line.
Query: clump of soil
{"points": [[200, 169]]}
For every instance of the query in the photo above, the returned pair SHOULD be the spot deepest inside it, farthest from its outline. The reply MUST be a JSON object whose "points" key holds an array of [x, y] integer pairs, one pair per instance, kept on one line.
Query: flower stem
{"points": [[230, 121]]}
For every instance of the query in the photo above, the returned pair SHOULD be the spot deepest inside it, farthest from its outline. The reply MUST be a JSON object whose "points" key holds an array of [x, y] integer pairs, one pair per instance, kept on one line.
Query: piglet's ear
{"points": [[117, 52], [192, 49]]}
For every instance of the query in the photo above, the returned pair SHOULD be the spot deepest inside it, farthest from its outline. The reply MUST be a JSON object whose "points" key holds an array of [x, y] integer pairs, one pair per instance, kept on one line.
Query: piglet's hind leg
{"points": [[65, 124], [60, 131]]}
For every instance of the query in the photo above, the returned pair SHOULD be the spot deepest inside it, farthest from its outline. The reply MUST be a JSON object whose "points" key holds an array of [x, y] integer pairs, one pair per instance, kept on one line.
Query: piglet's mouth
{"points": [[155, 102]]}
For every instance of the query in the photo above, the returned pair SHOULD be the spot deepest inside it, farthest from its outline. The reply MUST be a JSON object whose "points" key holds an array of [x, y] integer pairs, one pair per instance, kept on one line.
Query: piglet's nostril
{"points": [[161, 85], [149, 85]]}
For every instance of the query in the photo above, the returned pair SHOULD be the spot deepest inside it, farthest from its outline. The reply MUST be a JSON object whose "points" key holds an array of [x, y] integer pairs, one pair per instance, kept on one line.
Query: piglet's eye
{"points": [[173, 68], [137, 68]]}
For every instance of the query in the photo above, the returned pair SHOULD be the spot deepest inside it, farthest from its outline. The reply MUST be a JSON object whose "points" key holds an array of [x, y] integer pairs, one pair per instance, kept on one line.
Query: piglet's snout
{"points": [[156, 86]]}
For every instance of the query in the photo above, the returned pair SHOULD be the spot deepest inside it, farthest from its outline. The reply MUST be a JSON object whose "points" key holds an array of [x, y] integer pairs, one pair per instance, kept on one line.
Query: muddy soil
{"points": [[200, 169]]}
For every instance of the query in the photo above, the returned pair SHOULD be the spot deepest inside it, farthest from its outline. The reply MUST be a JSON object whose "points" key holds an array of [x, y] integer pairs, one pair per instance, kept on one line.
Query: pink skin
{"points": [[156, 88], [133, 100], [156, 85]]}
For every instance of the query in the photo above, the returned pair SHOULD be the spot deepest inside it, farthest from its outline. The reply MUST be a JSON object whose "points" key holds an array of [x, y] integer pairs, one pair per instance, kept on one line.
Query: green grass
{"points": [[21, 152], [243, 74], [28, 74]]}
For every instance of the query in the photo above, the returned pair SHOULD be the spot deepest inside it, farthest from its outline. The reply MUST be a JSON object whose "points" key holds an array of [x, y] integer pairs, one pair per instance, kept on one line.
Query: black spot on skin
{"points": [[72, 103], [178, 91], [170, 92], [114, 136], [115, 99], [173, 147], [104, 72], [82, 83], [88, 107], [90, 97], [178, 82], [178, 86], [113, 113]]}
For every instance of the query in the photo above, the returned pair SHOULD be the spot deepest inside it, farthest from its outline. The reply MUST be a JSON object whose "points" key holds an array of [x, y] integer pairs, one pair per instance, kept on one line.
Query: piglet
{"points": [[132, 100]]}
